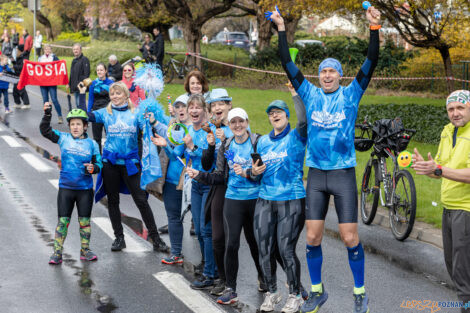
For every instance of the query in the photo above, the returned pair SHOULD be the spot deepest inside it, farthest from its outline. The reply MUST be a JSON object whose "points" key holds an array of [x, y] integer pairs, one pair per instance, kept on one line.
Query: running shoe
{"points": [[202, 282], [163, 229], [198, 269], [262, 286], [7, 111], [160, 245], [361, 302], [229, 297], [87, 255], [17, 106], [173, 259], [314, 302], [219, 287], [293, 304], [26, 107], [270, 301], [303, 292], [118, 244], [55, 259]]}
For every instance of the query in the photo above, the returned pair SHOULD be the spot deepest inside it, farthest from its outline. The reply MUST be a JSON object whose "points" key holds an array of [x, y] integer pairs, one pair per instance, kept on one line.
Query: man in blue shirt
{"points": [[331, 113]]}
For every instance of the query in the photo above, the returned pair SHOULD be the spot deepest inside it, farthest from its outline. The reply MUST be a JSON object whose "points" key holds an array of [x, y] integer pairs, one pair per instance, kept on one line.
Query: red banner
{"points": [[43, 74]]}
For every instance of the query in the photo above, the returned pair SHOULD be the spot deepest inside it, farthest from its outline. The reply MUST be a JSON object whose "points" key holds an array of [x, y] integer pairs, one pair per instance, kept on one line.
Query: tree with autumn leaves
{"points": [[429, 24]]}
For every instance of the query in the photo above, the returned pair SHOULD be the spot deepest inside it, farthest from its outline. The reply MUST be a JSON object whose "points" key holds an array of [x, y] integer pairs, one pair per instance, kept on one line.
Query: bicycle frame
{"points": [[387, 179]]}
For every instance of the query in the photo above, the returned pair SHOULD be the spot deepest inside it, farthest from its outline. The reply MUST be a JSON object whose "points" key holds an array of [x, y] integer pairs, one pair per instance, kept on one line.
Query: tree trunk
{"points": [[192, 35], [444, 51], [291, 26], [264, 30], [47, 25]]}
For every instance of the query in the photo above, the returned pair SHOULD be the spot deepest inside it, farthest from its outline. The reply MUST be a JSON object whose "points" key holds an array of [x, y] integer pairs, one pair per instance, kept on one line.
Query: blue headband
{"points": [[333, 63]]}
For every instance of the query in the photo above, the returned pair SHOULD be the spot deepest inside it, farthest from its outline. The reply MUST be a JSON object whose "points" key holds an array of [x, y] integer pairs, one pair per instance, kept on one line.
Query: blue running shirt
{"points": [[238, 187], [284, 158], [330, 121], [122, 128], [74, 153]]}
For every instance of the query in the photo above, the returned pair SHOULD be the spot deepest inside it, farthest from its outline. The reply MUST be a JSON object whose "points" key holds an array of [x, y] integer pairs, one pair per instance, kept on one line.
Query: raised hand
{"points": [[219, 133], [188, 141], [47, 108], [171, 110], [211, 138], [373, 16]]}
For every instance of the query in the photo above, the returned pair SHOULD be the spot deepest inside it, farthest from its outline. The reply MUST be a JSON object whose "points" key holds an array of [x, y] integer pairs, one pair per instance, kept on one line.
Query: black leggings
{"points": [[97, 130], [279, 223], [238, 214], [339, 183], [218, 233], [112, 176], [67, 198]]}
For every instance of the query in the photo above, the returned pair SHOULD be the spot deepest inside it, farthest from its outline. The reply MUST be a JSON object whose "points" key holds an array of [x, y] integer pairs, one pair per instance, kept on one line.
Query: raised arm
{"points": [[367, 69], [45, 126]]}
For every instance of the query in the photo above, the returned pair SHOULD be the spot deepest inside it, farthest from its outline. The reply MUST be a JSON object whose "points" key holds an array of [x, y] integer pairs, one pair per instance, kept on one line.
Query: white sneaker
{"points": [[270, 300], [26, 107], [293, 304], [17, 106]]}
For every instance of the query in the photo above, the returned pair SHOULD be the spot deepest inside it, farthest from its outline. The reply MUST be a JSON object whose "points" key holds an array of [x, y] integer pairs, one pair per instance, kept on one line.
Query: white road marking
{"points": [[54, 182], [132, 245], [193, 299], [35, 162], [12, 142]]}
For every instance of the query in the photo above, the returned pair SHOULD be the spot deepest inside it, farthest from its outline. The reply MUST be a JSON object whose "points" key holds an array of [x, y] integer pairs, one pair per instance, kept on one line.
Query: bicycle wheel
{"points": [[168, 72], [403, 212], [369, 192]]}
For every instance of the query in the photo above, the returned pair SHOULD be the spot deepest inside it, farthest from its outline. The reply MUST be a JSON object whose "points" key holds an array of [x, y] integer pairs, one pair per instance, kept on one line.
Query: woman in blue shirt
{"points": [[80, 158], [233, 160], [121, 162], [98, 98]]}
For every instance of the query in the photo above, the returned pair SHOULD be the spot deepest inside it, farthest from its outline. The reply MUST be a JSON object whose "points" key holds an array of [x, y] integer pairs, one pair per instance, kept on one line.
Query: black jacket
{"points": [[79, 70], [158, 49], [115, 71], [147, 53]]}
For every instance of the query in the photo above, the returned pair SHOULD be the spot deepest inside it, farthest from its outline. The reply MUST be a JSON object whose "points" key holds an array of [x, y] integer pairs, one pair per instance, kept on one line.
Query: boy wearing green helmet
{"points": [[80, 157]]}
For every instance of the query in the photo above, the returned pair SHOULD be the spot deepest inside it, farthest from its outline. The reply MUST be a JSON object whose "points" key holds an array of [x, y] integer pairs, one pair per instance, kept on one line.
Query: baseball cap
{"points": [[237, 112], [278, 104]]}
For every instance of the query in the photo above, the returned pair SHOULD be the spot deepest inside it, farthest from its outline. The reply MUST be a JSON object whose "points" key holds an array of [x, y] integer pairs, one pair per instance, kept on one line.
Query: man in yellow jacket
{"points": [[452, 165]]}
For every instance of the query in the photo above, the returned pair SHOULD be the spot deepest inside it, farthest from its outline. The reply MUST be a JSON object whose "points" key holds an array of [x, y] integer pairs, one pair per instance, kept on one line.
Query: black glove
{"points": [[47, 110]]}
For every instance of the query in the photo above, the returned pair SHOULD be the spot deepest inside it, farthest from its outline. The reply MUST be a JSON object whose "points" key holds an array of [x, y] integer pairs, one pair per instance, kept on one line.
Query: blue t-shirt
{"points": [[331, 118], [122, 128], [74, 153], [175, 168], [238, 187], [284, 158]]}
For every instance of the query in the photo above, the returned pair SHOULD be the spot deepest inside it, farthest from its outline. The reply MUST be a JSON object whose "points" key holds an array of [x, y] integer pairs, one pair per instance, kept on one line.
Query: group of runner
{"points": [[233, 179]]}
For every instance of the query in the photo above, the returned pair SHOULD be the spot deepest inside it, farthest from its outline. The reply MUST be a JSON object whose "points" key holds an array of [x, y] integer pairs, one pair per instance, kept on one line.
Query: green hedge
{"points": [[428, 120]]}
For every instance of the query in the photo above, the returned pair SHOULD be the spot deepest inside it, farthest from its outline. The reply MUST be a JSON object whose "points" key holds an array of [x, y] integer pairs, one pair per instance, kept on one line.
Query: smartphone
{"points": [[256, 156]]}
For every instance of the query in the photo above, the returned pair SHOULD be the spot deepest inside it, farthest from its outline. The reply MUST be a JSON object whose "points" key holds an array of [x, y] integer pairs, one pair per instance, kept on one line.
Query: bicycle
{"points": [[396, 189], [174, 66]]}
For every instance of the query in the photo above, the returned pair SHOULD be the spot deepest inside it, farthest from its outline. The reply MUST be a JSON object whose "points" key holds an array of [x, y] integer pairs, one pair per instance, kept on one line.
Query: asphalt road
{"points": [[134, 280]]}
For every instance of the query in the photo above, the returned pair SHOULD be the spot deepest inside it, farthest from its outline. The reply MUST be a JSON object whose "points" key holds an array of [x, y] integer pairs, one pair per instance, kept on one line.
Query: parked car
{"points": [[236, 39], [305, 42]]}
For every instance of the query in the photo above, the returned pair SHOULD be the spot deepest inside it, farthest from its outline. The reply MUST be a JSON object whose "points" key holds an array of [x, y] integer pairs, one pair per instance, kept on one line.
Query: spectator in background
{"points": [[15, 38], [19, 95], [48, 56], [25, 44], [38, 43], [254, 37], [7, 48], [158, 50], [147, 49], [136, 93], [114, 68], [3, 84], [79, 70]]}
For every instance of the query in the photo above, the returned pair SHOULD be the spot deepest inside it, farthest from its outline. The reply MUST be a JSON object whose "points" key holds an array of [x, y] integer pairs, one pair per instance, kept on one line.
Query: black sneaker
{"points": [[219, 287], [118, 244], [198, 269], [202, 282], [163, 229], [160, 246]]}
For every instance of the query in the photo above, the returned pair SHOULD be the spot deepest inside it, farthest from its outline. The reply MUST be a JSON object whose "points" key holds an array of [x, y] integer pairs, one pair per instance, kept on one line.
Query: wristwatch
{"points": [[438, 171], [194, 148]]}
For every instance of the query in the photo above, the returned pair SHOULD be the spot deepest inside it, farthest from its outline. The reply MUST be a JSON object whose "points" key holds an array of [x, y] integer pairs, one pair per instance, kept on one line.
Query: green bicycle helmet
{"points": [[77, 113]]}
